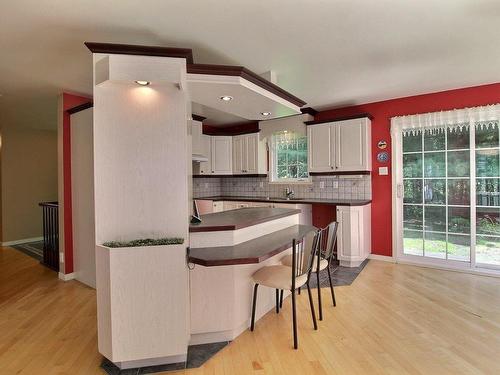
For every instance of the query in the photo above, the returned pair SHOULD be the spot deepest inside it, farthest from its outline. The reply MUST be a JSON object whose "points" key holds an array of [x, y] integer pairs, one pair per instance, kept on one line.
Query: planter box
{"points": [[142, 304]]}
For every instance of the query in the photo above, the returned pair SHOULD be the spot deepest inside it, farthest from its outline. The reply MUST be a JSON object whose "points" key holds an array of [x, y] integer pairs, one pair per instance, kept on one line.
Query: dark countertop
{"points": [[249, 252], [334, 202], [241, 218]]}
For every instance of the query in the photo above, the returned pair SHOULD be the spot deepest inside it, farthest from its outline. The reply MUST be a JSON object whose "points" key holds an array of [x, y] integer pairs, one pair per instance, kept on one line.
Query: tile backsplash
{"points": [[326, 187]]}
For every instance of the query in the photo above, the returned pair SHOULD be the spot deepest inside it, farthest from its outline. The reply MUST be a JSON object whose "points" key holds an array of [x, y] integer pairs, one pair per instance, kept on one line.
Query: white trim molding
{"points": [[384, 258], [66, 276], [24, 240]]}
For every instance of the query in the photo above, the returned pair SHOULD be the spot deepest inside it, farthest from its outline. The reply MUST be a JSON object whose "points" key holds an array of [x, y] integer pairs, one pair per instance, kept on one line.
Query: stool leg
{"points": [[254, 303], [277, 301], [313, 313], [319, 297], [294, 321], [331, 286], [281, 299], [299, 290]]}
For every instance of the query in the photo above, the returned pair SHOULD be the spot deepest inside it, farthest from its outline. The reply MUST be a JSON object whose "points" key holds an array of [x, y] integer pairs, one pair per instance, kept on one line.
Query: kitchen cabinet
{"points": [[205, 167], [353, 234], [249, 154], [340, 146], [221, 155], [196, 138]]}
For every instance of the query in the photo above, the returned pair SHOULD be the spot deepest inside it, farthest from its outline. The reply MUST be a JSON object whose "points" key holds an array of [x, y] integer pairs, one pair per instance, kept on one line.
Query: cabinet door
{"points": [[238, 150], [352, 145], [196, 137], [319, 148], [222, 155], [206, 147], [251, 154]]}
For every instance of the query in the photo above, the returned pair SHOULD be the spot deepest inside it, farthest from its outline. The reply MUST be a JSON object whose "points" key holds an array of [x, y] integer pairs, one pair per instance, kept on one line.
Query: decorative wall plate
{"points": [[382, 144], [383, 157]]}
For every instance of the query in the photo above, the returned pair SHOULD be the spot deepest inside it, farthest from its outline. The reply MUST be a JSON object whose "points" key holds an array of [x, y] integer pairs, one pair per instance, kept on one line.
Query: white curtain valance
{"points": [[294, 124], [455, 119]]}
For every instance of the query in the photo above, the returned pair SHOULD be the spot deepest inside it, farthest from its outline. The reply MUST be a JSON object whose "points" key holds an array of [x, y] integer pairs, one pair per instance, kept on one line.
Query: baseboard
{"points": [[384, 258], [66, 276], [24, 240]]}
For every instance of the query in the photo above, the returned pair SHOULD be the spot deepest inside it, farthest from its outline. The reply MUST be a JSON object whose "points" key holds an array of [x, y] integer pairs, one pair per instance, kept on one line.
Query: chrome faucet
{"points": [[289, 193]]}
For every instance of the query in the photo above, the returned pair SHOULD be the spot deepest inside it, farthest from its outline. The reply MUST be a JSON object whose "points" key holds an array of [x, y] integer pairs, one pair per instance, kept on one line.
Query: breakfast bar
{"points": [[226, 248]]}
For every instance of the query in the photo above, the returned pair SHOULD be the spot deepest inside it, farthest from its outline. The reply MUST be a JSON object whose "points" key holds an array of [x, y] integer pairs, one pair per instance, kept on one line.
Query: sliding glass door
{"points": [[447, 198]]}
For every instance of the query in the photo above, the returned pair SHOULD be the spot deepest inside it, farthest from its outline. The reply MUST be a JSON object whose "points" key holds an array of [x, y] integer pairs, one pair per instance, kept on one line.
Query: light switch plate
{"points": [[261, 184], [383, 171], [322, 184], [335, 184]]}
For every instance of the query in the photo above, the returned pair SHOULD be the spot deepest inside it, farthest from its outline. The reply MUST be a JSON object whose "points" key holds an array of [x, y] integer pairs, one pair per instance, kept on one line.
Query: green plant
{"points": [[145, 242]]}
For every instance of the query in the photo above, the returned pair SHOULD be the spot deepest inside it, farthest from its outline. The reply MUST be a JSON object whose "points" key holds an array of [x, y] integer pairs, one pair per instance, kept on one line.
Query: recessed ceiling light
{"points": [[143, 83], [226, 98], [265, 113]]}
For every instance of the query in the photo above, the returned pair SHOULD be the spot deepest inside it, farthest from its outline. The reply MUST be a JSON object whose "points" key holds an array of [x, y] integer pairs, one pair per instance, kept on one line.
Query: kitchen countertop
{"points": [[334, 202], [242, 218], [249, 252]]}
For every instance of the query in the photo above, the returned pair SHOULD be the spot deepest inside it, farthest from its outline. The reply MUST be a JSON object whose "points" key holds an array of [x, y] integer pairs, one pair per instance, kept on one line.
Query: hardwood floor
{"points": [[394, 319]]}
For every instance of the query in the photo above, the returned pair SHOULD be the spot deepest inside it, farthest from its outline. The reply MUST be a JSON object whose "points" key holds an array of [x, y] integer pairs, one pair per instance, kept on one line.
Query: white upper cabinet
{"points": [[206, 150], [196, 132], [340, 146], [352, 145], [319, 138], [221, 155], [249, 154]]}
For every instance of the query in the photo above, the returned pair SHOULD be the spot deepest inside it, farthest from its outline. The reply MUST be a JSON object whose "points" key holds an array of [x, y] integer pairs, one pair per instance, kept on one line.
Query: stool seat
{"points": [[323, 263], [278, 277]]}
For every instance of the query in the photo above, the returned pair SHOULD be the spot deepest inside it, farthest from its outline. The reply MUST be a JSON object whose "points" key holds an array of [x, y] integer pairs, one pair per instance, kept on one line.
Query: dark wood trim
{"points": [[309, 110], [80, 108], [342, 118], [313, 201], [333, 173], [227, 175], [130, 49], [230, 70], [198, 118], [232, 129]]}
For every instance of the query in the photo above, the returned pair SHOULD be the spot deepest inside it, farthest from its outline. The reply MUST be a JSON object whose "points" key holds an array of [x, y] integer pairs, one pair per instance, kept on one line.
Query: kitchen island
{"points": [[226, 248]]}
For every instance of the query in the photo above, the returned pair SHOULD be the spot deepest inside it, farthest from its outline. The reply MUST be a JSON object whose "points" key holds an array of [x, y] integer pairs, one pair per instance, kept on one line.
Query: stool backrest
{"points": [[303, 254], [328, 239]]}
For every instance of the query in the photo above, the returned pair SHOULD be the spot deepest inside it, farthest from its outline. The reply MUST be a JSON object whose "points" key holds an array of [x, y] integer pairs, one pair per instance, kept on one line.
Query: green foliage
{"points": [[145, 242]]}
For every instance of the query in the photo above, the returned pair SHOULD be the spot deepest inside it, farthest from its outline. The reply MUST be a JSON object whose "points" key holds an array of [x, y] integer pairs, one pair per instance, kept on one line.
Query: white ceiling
{"points": [[329, 53]]}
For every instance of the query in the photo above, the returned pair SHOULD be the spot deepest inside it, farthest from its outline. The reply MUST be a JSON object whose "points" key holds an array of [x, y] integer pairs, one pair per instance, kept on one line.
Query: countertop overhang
{"points": [[240, 218], [333, 202], [249, 252]]}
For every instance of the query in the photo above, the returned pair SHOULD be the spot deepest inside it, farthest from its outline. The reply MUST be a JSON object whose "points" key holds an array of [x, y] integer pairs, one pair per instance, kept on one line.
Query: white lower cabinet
{"points": [[353, 234]]}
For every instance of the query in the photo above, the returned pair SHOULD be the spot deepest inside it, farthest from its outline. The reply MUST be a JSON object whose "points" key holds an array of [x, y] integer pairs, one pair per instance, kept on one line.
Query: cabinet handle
{"points": [[331, 167]]}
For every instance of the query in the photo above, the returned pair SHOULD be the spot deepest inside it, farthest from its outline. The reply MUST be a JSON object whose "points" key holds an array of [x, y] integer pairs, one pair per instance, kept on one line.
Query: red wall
{"points": [[382, 113], [69, 101]]}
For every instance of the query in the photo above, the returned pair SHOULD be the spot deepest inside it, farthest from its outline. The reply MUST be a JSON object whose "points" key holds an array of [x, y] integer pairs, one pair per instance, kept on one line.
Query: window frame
{"points": [[273, 163]]}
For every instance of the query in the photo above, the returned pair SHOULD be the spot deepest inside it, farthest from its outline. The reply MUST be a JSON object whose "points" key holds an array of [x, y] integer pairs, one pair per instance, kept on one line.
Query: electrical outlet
{"points": [[335, 184], [261, 184], [206, 185], [322, 184]]}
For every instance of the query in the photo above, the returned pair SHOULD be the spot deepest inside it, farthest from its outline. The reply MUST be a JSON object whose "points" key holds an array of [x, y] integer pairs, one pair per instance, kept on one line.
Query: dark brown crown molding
{"points": [[229, 70], [80, 107], [309, 111], [198, 118], [342, 118], [232, 129], [130, 49]]}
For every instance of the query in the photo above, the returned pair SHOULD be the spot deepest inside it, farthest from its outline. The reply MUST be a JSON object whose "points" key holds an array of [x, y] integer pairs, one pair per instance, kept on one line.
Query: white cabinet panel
{"points": [[354, 234], [340, 146], [222, 155], [249, 154], [352, 145], [238, 150], [252, 154], [196, 134], [319, 148], [206, 148]]}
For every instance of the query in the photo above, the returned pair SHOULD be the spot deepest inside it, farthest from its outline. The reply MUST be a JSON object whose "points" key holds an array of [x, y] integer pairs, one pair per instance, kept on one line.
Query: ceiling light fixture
{"points": [[265, 113], [143, 83], [226, 98]]}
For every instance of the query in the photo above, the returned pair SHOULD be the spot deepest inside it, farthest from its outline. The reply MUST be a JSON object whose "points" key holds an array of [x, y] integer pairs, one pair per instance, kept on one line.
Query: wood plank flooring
{"points": [[394, 319]]}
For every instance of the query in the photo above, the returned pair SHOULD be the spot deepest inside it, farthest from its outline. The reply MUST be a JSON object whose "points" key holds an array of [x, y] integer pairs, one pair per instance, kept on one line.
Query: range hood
{"points": [[199, 158]]}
